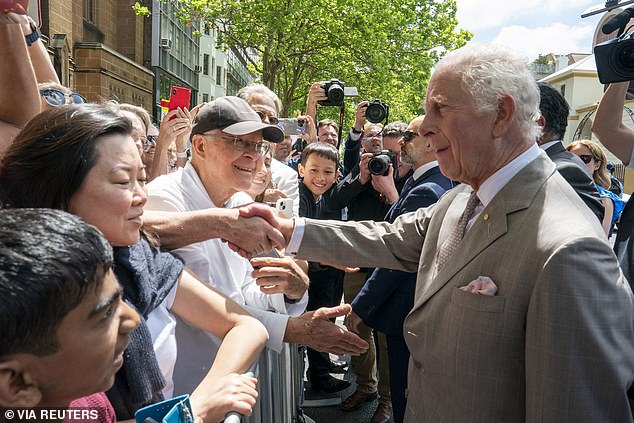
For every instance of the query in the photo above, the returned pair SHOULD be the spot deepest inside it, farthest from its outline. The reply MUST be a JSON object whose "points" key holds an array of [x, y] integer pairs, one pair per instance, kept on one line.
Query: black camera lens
{"points": [[376, 111], [624, 56], [379, 164], [335, 93]]}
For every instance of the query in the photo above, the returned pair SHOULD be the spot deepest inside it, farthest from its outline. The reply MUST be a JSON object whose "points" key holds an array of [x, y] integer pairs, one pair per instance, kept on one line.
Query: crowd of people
{"points": [[141, 261]]}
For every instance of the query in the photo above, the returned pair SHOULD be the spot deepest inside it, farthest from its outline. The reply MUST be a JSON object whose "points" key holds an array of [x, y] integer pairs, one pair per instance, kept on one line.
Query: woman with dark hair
{"points": [[596, 162], [82, 159]]}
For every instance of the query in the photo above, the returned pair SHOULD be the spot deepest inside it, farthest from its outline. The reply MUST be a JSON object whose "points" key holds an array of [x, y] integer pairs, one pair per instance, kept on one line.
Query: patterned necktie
{"points": [[451, 244], [407, 185]]}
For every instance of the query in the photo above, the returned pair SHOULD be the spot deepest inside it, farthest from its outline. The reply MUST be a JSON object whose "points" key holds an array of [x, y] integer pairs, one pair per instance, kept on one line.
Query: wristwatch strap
{"points": [[34, 35]]}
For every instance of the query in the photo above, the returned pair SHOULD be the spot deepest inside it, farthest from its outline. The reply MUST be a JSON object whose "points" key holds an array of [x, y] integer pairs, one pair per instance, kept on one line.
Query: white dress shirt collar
{"points": [[424, 168], [549, 144], [499, 179]]}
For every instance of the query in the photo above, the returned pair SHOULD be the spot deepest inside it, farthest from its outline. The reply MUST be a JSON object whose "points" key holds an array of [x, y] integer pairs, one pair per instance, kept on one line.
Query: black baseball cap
{"points": [[234, 116]]}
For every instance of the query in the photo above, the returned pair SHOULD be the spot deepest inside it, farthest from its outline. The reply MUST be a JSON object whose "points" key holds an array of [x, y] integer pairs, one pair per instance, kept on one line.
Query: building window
{"points": [[89, 10], [205, 97], [563, 90], [205, 64], [207, 30], [218, 75]]}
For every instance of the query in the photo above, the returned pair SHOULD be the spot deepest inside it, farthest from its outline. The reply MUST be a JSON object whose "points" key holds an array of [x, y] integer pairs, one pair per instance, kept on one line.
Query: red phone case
{"points": [[179, 97]]}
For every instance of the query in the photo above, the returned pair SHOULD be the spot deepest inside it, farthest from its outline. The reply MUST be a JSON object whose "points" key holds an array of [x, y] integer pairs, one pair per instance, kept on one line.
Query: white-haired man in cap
{"points": [[227, 142], [521, 313]]}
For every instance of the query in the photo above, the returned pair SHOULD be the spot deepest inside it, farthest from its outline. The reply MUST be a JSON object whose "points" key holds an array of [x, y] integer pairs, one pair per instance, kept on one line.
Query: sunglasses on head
{"points": [[272, 119], [586, 158], [56, 98]]}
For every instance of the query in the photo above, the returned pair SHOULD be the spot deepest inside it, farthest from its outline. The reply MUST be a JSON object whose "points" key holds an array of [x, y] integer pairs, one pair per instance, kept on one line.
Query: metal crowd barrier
{"points": [[280, 387]]}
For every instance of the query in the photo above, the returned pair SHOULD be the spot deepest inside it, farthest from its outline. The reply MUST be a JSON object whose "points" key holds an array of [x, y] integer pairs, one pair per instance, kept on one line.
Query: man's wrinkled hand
{"points": [[364, 172], [385, 185], [280, 276], [285, 226], [352, 322], [315, 330], [255, 231]]}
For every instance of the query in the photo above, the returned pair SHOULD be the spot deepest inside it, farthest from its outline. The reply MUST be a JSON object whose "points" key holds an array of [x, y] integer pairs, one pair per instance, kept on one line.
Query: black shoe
{"points": [[338, 366], [329, 384]]}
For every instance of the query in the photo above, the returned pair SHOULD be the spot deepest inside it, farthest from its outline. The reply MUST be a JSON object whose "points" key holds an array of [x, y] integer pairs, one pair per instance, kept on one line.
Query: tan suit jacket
{"points": [[556, 344]]}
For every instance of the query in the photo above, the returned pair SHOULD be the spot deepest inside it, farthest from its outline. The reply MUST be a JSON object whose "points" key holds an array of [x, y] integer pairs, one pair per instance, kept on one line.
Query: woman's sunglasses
{"points": [[586, 158], [56, 98]]}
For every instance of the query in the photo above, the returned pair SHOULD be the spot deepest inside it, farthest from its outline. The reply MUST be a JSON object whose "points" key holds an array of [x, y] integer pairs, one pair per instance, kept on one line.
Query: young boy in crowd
{"points": [[64, 323], [319, 170]]}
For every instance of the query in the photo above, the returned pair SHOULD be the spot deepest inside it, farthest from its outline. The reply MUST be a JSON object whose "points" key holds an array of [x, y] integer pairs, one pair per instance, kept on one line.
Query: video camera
{"points": [[336, 91], [615, 58], [379, 164], [377, 111]]}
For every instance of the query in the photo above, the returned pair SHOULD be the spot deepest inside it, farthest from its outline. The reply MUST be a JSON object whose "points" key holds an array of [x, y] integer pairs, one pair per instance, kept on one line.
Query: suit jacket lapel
{"points": [[490, 225]]}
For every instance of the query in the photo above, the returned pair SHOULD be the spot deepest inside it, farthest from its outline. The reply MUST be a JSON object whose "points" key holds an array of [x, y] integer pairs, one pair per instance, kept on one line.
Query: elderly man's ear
{"points": [[18, 388], [198, 145], [505, 116]]}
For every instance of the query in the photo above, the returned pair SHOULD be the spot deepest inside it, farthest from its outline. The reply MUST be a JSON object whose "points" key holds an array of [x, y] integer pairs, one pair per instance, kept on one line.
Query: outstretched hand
{"points": [[314, 329]]}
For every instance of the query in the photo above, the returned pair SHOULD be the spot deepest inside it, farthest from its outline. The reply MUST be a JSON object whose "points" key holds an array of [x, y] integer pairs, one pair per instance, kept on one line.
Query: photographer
{"points": [[327, 129]]}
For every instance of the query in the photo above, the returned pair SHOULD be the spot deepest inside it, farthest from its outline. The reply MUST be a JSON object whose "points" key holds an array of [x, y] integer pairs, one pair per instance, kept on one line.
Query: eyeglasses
{"points": [[409, 135], [260, 147], [378, 136], [149, 142], [263, 116], [586, 158], [56, 98]]}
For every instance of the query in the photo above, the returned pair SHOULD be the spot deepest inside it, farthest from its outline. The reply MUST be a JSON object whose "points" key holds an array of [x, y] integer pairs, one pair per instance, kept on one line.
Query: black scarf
{"points": [[146, 275]]}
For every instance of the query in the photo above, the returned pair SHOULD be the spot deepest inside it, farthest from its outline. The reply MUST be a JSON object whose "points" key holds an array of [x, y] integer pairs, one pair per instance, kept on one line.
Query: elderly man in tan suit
{"points": [[521, 312]]}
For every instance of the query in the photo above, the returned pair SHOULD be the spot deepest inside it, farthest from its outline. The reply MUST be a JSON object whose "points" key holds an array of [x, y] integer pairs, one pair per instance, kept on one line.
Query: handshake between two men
{"points": [[260, 231]]}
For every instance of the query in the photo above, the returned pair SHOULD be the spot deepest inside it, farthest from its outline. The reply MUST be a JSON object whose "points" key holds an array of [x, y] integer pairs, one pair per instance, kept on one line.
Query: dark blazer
{"points": [[388, 295], [573, 170]]}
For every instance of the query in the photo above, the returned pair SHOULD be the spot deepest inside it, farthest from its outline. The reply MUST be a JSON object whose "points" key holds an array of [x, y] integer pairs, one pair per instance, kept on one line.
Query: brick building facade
{"points": [[97, 47]]}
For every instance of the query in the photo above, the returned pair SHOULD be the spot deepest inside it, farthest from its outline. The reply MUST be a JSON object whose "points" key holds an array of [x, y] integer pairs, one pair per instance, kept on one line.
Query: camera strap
{"points": [[342, 113]]}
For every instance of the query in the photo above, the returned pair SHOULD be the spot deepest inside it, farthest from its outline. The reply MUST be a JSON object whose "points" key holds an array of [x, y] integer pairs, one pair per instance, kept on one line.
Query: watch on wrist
{"points": [[34, 35], [354, 131], [182, 154]]}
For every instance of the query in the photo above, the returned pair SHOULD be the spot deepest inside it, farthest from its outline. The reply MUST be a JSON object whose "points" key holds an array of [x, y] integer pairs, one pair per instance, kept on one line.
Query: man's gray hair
{"points": [[490, 72], [247, 92]]}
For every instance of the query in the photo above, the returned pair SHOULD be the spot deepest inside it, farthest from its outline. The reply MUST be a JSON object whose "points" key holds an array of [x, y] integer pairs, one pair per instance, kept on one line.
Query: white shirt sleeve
{"points": [[296, 236]]}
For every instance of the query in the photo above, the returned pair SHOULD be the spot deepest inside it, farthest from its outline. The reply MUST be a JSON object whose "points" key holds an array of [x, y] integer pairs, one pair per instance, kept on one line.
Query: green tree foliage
{"points": [[386, 48]]}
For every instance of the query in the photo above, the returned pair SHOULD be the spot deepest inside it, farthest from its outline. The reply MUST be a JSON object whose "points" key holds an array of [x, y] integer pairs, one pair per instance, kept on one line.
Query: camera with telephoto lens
{"points": [[377, 111], [336, 90], [615, 59], [379, 164]]}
